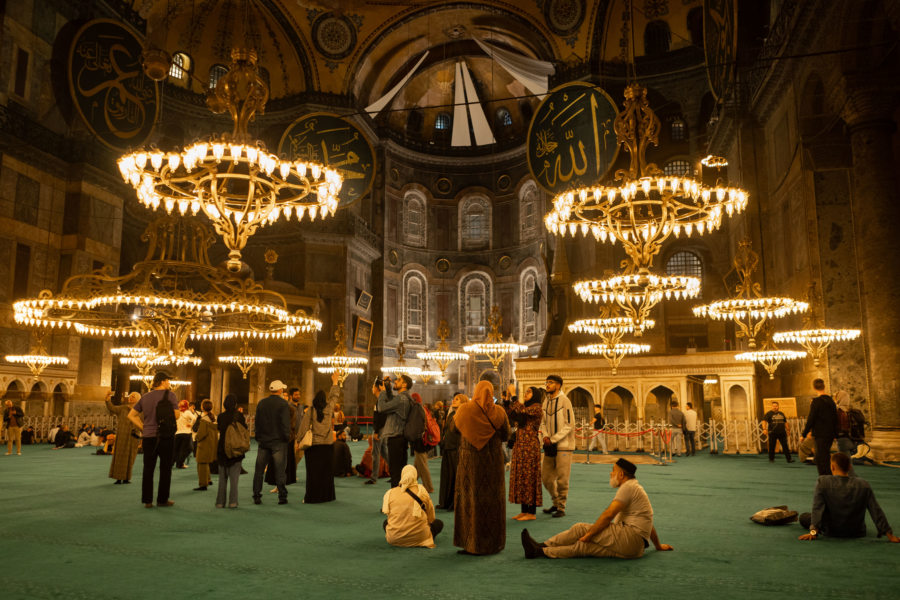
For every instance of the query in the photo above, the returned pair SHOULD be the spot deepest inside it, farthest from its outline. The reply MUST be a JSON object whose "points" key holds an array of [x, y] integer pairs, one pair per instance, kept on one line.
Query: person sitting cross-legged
{"points": [[623, 530], [840, 503]]}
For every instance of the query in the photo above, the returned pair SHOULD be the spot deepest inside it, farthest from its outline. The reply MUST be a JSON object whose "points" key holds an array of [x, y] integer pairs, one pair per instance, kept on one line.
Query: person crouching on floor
{"points": [[623, 530], [410, 514]]}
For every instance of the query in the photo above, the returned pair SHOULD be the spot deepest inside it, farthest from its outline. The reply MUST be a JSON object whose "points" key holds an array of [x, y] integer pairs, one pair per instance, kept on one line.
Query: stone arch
{"points": [[582, 404], [15, 391], [736, 403], [415, 307], [58, 399], [619, 405], [656, 403]]}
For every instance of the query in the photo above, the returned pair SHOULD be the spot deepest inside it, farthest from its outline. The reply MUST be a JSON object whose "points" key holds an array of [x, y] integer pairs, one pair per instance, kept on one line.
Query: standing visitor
{"points": [[420, 452], [184, 434], [381, 387], [558, 438], [207, 444], [158, 439], [480, 501], [229, 467], [776, 428], [13, 418], [821, 426], [525, 469], [450, 454], [396, 410], [127, 439], [320, 455], [273, 432], [598, 437], [676, 422], [690, 430]]}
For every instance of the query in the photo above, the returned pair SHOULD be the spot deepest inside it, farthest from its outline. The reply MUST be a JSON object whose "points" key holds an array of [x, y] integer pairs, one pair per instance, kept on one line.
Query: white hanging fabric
{"points": [[483, 134], [460, 136], [376, 107], [530, 72]]}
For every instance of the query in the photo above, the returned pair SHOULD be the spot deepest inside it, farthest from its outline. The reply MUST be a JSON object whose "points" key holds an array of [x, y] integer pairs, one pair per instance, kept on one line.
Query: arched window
{"points": [[181, 67], [415, 307], [528, 210], [442, 122], [657, 38], [414, 122], [414, 220], [215, 73], [677, 168], [678, 130], [529, 316], [474, 304], [503, 118], [685, 263], [475, 223]]}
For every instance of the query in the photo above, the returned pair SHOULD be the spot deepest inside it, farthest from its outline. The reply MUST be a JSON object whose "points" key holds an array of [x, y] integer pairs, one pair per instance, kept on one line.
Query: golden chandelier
{"points": [[494, 348], [38, 358], [232, 178], [748, 308], [172, 297], [442, 355], [815, 337], [611, 329], [245, 360], [340, 362], [401, 368]]}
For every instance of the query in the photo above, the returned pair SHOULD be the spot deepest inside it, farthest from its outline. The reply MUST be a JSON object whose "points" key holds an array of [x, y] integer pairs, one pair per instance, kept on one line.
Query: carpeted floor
{"points": [[67, 532]]}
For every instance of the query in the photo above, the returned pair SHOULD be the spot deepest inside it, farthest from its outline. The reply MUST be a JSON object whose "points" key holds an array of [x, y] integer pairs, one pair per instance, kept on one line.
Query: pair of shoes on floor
{"points": [[148, 505], [550, 511], [525, 517], [160, 505], [532, 548], [559, 513], [118, 482], [257, 499], [202, 488], [126, 481], [183, 467]]}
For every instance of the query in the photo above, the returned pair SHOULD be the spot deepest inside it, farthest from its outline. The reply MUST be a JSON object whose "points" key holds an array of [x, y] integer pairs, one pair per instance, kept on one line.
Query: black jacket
{"points": [[823, 418], [273, 421], [15, 411]]}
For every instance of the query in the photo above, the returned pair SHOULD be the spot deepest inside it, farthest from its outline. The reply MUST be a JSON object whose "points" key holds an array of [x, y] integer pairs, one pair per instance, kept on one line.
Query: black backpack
{"points": [[165, 418], [415, 423], [857, 424]]}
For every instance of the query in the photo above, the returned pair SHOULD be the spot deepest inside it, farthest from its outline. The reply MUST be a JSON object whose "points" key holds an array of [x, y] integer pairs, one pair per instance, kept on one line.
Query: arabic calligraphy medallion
{"points": [[571, 142], [117, 101], [337, 143]]}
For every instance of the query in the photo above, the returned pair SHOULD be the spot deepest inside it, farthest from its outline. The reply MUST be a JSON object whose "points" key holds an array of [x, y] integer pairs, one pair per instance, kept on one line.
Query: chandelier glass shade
{"points": [[38, 358], [610, 326], [245, 359], [614, 353], [340, 362], [748, 308], [231, 178], [642, 206], [148, 379], [172, 297], [770, 357], [494, 348], [401, 368], [442, 355]]}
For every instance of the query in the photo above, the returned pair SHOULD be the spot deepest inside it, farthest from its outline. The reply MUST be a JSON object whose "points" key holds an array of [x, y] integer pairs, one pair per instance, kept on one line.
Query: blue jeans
{"points": [[379, 449], [278, 454], [228, 477]]}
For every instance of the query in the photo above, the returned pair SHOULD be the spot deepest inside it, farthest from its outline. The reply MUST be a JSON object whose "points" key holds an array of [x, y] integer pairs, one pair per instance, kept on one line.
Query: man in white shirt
{"points": [[623, 530], [558, 435], [690, 430]]}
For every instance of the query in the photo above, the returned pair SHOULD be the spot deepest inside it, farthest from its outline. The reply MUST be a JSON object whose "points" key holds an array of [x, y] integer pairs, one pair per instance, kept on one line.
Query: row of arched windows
{"points": [[443, 122], [182, 68], [475, 218], [475, 301]]}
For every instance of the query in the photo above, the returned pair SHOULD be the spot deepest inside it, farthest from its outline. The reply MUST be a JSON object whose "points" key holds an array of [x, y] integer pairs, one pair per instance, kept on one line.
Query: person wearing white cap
{"points": [[273, 432]]}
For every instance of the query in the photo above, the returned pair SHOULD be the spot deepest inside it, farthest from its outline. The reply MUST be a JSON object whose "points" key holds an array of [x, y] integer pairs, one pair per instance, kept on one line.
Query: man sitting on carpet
{"points": [[623, 530], [840, 503]]}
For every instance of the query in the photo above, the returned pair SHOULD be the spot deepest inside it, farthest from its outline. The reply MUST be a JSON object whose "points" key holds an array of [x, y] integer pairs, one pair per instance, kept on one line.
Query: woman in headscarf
{"points": [[525, 470], [183, 434], [480, 499], [420, 452], [229, 467], [410, 514], [207, 443], [319, 457], [127, 438], [450, 454]]}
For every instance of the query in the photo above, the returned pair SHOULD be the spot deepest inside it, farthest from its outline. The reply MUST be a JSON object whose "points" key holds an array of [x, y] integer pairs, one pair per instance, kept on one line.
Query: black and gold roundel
{"points": [[571, 142], [330, 140], [117, 101]]}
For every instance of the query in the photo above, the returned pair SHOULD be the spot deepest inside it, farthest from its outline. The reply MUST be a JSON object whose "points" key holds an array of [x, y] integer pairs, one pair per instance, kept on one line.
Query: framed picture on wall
{"points": [[364, 300], [362, 337]]}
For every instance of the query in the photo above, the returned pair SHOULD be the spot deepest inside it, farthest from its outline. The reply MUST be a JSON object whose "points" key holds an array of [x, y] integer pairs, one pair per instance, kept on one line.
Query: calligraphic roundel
{"points": [[720, 44], [334, 142], [117, 101], [571, 142]]}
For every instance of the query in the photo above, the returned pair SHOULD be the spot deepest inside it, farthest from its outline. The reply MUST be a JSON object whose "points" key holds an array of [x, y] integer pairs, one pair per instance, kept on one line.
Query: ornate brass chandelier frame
{"points": [[443, 355], [493, 347], [340, 362]]}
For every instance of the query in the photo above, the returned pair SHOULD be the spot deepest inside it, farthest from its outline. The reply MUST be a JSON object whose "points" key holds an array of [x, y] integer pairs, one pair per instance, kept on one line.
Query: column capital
{"points": [[866, 100]]}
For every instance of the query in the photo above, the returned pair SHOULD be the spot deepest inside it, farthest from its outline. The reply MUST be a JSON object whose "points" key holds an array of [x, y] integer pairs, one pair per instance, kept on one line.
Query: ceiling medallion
{"points": [[334, 36]]}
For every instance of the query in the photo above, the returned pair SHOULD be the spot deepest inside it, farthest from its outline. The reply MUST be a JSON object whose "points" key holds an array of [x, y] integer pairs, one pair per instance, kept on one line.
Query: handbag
{"points": [[306, 441]]}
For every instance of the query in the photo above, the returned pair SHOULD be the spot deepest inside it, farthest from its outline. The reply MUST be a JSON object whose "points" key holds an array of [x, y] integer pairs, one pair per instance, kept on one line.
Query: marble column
{"points": [[868, 112]]}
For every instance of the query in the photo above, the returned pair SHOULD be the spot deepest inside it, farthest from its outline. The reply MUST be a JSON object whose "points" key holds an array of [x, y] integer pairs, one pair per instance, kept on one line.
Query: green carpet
{"points": [[67, 532]]}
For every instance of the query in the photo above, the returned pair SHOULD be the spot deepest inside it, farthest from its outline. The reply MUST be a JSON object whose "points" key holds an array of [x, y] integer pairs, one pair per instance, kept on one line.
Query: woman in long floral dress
{"points": [[525, 470], [126, 444]]}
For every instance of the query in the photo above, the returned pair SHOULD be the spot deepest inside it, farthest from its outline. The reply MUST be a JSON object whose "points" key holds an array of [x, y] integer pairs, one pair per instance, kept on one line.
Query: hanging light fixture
{"points": [[815, 337], [442, 355], [427, 374], [245, 359], [494, 348], [38, 358], [769, 356], [614, 353], [611, 328], [748, 308], [232, 178], [339, 362], [401, 368]]}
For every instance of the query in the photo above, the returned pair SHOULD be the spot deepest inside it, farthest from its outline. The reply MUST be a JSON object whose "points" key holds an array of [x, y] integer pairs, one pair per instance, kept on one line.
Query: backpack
{"points": [[843, 422], [857, 424], [237, 440], [415, 423], [777, 515], [431, 437], [165, 418]]}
